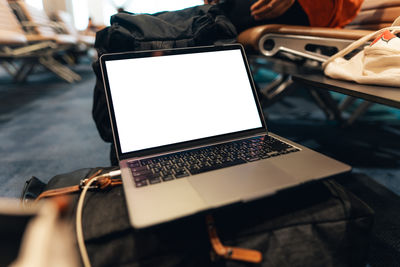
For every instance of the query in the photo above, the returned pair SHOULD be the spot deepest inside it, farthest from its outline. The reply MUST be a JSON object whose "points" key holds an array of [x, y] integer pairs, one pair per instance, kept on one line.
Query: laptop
{"points": [[190, 134]]}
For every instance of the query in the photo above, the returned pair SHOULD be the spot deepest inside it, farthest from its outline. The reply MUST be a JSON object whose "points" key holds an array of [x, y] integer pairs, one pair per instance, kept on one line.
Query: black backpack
{"points": [[315, 224], [195, 26]]}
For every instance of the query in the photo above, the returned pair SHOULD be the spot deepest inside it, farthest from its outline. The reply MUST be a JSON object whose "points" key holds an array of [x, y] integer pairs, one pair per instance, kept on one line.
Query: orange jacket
{"points": [[330, 13]]}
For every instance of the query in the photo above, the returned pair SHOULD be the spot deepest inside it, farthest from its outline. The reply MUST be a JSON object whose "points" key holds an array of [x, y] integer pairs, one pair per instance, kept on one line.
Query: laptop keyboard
{"points": [[190, 162]]}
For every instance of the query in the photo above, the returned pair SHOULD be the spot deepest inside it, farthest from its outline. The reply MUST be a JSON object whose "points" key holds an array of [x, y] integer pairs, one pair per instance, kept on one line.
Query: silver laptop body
{"points": [[167, 102]]}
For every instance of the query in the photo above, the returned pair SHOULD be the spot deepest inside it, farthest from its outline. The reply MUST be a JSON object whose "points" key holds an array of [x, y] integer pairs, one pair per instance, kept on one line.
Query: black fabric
{"points": [[32, 189], [385, 237], [12, 227], [238, 11], [196, 26], [317, 224]]}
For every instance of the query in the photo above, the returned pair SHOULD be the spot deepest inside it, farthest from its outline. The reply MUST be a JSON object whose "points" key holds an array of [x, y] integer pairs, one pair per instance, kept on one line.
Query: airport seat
{"points": [[36, 23], [317, 44], [85, 42], [14, 44], [65, 20], [39, 28]]}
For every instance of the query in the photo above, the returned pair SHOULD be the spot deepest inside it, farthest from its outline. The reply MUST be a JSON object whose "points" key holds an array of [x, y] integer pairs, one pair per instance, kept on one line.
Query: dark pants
{"points": [[238, 11]]}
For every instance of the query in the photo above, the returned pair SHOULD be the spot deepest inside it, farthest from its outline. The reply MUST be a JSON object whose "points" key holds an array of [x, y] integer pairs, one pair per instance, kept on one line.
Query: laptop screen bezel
{"points": [[187, 144]]}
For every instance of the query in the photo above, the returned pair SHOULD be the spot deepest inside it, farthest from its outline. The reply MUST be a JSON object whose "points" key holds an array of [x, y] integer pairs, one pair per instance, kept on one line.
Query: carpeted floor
{"points": [[46, 129]]}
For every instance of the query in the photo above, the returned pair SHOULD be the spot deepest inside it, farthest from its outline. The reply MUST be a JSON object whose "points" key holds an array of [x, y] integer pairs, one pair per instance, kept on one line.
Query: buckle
{"points": [[83, 182]]}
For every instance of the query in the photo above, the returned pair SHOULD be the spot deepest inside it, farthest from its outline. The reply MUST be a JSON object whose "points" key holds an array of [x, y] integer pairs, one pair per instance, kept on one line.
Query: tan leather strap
{"points": [[58, 192], [101, 183], [227, 252]]}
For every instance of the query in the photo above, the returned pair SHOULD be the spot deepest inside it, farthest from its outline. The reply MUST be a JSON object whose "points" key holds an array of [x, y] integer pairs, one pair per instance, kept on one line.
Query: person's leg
{"points": [[238, 11]]}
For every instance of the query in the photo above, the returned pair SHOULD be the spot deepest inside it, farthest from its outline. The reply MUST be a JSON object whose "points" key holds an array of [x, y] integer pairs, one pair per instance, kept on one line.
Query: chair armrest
{"points": [[251, 37], [12, 38]]}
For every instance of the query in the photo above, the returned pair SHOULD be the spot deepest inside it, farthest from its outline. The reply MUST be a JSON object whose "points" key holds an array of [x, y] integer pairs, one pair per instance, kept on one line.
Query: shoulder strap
{"points": [[101, 183], [394, 28]]}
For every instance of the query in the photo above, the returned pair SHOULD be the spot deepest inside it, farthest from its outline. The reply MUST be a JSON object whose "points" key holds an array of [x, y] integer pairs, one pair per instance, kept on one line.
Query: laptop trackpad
{"points": [[241, 183]]}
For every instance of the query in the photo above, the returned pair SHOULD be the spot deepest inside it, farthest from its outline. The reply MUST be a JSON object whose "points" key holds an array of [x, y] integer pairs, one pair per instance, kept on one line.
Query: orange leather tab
{"points": [[233, 253], [244, 254]]}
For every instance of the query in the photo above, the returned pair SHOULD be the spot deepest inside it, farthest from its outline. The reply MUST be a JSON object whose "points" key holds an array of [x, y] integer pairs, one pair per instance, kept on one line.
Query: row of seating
{"points": [[29, 38], [317, 44]]}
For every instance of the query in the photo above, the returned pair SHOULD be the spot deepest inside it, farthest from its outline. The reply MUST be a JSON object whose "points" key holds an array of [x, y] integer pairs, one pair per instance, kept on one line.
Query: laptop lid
{"points": [[179, 98]]}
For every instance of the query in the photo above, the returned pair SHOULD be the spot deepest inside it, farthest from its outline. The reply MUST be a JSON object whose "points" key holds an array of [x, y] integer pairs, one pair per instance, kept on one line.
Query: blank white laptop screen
{"points": [[175, 98]]}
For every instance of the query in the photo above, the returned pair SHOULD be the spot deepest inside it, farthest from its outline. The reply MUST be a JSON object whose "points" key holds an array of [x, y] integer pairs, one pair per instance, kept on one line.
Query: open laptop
{"points": [[190, 134]]}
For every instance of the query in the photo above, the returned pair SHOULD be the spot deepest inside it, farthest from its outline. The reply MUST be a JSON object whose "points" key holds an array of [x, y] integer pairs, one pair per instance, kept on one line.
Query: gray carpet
{"points": [[46, 128]]}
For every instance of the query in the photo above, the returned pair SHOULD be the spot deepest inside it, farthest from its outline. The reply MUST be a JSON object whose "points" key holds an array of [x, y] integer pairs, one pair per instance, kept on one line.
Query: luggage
{"points": [[317, 224]]}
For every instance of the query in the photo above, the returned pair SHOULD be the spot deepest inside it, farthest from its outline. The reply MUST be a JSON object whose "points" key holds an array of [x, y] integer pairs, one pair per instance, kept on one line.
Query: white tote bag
{"points": [[377, 64]]}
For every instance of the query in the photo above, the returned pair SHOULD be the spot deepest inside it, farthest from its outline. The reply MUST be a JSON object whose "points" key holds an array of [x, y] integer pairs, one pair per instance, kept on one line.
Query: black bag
{"points": [[317, 224], [196, 26]]}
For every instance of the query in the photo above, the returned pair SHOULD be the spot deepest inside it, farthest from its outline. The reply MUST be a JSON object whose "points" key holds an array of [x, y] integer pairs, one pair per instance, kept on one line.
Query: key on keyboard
{"points": [[182, 164]]}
